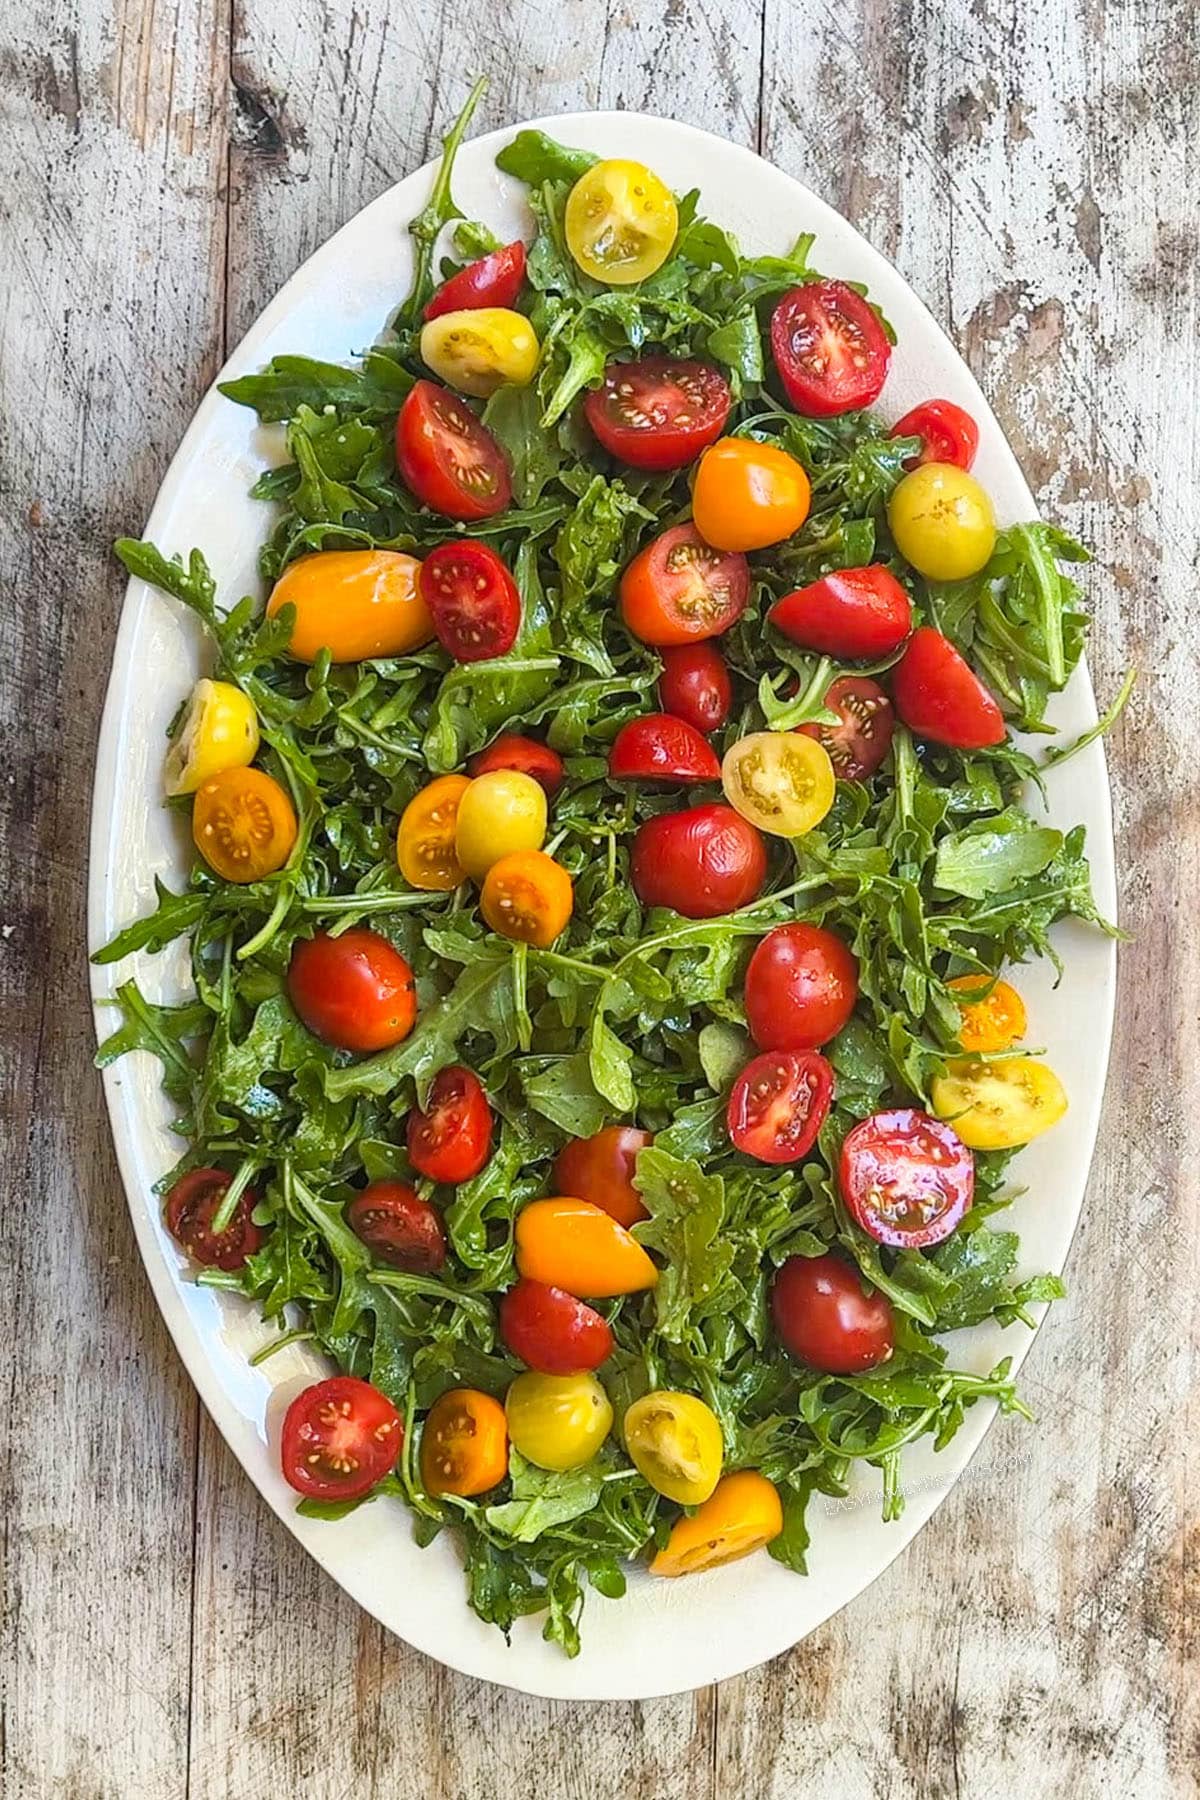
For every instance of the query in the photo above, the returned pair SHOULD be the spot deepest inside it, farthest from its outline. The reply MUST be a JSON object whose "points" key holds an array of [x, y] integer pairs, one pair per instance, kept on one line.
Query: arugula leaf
{"points": [[543, 1498], [687, 1210], [993, 854], [535, 159]]}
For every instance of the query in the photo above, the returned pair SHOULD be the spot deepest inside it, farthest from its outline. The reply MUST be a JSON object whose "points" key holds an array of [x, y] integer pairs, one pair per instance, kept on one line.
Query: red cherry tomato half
{"points": [[451, 462], [824, 1318], [940, 697], [847, 613], [801, 986], [695, 686], [340, 1437], [948, 434], [830, 349], [472, 600], [658, 412], [398, 1227], [600, 1169], [525, 755], [778, 1105], [190, 1207], [859, 742], [494, 280], [679, 589], [353, 991], [906, 1177], [702, 862], [661, 748], [451, 1138], [551, 1331]]}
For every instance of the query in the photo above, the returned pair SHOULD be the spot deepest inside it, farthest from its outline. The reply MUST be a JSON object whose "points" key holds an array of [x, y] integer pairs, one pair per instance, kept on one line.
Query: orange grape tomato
{"points": [[243, 824], [748, 495], [742, 1513], [571, 1244], [464, 1444], [527, 896], [353, 603], [996, 1022], [425, 841]]}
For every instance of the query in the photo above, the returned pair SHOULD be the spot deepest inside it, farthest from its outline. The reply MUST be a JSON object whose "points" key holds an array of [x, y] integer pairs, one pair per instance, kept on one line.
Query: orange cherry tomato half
{"points": [[995, 1022], [354, 991], [679, 590], [742, 1513], [748, 495], [464, 1444], [571, 1244], [353, 603], [600, 1169], [192, 1204], [340, 1437], [425, 841], [527, 896], [243, 824], [398, 1227]]}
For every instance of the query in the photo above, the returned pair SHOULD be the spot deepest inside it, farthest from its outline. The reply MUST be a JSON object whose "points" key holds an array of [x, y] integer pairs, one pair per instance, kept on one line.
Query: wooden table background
{"points": [[1033, 171]]}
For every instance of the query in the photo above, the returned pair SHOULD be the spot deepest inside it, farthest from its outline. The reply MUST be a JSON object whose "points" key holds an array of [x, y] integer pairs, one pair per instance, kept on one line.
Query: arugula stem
{"points": [[1104, 723], [438, 210], [275, 918], [233, 1193]]}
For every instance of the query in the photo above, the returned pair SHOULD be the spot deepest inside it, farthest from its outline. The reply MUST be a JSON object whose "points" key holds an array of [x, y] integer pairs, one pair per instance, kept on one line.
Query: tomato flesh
{"points": [[906, 1178], [492, 280], [340, 1437], [801, 987], [778, 1105], [449, 459], [354, 991], [527, 757], [939, 696], [551, 1331], [702, 862], [600, 1170], [191, 1205], [661, 748], [658, 412], [472, 600], [947, 433], [450, 1139], [679, 589], [398, 1227], [823, 1317], [859, 742], [847, 613], [695, 685], [831, 352]]}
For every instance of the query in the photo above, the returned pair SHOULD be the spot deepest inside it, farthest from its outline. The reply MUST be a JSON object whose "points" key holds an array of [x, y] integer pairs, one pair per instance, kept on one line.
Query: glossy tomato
{"points": [[947, 433], [695, 686], [847, 613], [780, 781], [995, 1021], [527, 896], [428, 831], [551, 1330], [741, 1515], [243, 824], [480, 350], [801, 986], [676, 1443], [557, 1421], [450, 1137], [493, 280], [679, 589], [999, 1105], [747, 495], [500, 814], [451, 462], [191, 1206], [569, 1243], [354, 991], [620, 222], [218, 731], [778, 1104], [702, 862], [472, 599], [464, 1443], [831, 352], [659, 412], [661, 748], [600, 1169], [863, 736], [527, 757], [398, 1227], [942, 521], [340, 1437], [939, 696], [353, 603], [823, 1316], [906, 1178]]}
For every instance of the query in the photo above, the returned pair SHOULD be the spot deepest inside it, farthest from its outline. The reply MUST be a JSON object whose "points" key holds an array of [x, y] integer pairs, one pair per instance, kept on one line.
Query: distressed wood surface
{"points": [[1034, 172]]}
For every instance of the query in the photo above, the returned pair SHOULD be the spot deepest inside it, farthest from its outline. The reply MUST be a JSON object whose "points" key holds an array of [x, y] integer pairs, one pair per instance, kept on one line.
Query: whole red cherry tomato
{"points": [[527, 756], [398, 1227], [948, 434], [906, 1177], [353, 991], [778, 1104], [801, 986], [940, 697], [695, 686], [494, 280], [830, 349], [340, 1437], [551, 1331], [858, 744], [449, 459], [702, 862], [824, 1318], [472, 600], [658, 412], [661, 748], [450, 1139], [847, 613], [600, 1169], [190, 1208], [679, 589]]}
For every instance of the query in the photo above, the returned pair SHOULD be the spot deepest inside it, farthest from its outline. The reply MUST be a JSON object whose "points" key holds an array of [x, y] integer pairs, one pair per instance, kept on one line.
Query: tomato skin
{"points": [[472, 600], [747, 495], [1000, 1105], [948, 434], [994, 1022], [695, 685], [464, 1444], [778, 1104], [568, 1243], [218, 731], [600, 1170], [479, 350], [398, 1227], [501, 814], [353, 603], [661, 748], [189, 1210], [450, 1138], [557, 1421], [679, 590], [906, 1178], [340, 1438], [847, 613], [742, 1514], [526, 756], [451, 461], [939, 696], [801, 987], [702, 862], [492, 280], [352, 991], [857, 746], [942, 521], [658, 412], [551, 1331], [823, 1317], [243, 824], [831, 352]]}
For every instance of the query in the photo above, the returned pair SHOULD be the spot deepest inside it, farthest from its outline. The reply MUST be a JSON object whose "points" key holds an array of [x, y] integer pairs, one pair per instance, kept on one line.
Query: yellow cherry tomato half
{"points": [[675, 1441], [500, 813], [571, 1244], [620, 222], [748, 495], [942, 521], [781, 781], [478, 350], [527, 896], [995, 1022], [742, 1513], [557, 1421], [243, 824], [353, 603], [218, 730], [464, 1444], [425, 841], [1000, 1105]]}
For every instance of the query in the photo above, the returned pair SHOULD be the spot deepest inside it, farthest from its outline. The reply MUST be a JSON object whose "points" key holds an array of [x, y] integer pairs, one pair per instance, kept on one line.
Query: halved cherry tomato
{"points": [[398, 1227], [526, 756], [493, 280], [778, 1104], [464, 1444], [999, 1105], [780, 781], [557, 1421], [243, 824], [742, 1513], [659, 412], [190, 1208], [695, 686], [353, 603], [340, 1437], [552, 1331], [675, 1441], [702, 862], [948, 434], [450, 1137], [218, 731], [451, 462], [354, 991], [477, 350], [660, 748], [679, 589], [568, 1243], [472, 600], [620, 222], [906, 1178], [601, 1169], [942, 522], [939, 696], [426, 837], [857, 745], [499, 815], [847, 613], [823, 1316], [801, 986], [994, 1022], [748, 495], [831, 352], [527, 896]]}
